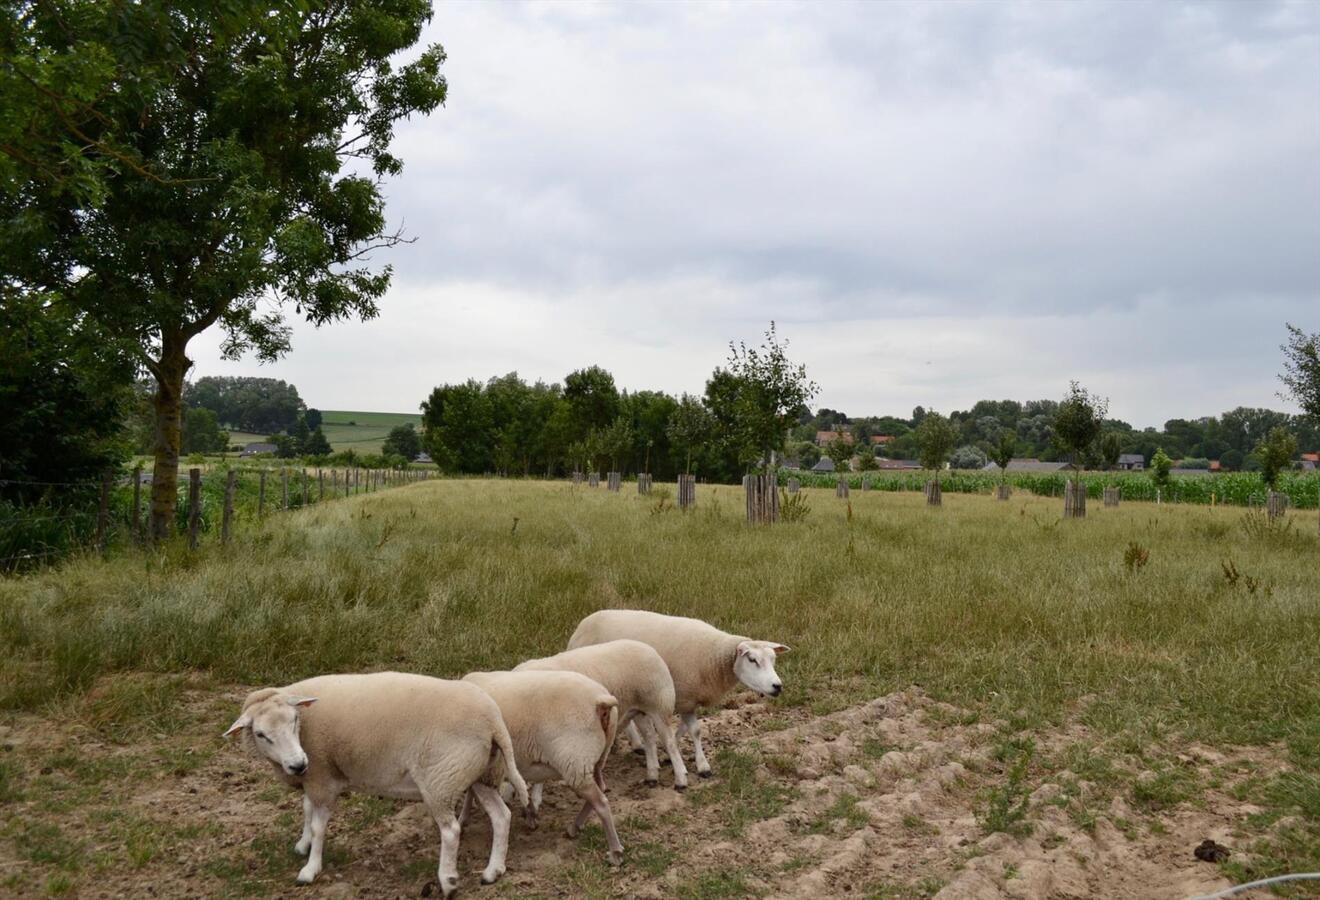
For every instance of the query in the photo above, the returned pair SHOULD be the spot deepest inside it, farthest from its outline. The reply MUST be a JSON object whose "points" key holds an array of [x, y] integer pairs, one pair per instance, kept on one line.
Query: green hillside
{"points": [[362, 431]]}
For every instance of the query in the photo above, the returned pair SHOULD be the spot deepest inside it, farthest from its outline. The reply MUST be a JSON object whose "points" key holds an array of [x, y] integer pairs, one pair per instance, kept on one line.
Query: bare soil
{"points": [[892, 798]]}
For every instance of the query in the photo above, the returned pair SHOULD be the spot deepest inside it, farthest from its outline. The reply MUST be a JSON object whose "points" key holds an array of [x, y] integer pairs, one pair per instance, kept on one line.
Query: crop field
{"points": [[982, 700], [368, 430]]}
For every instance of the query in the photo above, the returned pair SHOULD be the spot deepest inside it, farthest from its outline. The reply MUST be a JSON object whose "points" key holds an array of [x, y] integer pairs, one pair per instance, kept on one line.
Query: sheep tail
{"points": [[607, 713], [505, 745]]}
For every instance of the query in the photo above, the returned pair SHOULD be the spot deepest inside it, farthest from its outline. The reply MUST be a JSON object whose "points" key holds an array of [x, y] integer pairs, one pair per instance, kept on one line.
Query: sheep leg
{"points": [[660, 726], [320, 817], [635, 738], [500, 817], [450, 831], [596, 801], [652, 757], [692, 725], [465, 811], [532, 811], [305, 842]]}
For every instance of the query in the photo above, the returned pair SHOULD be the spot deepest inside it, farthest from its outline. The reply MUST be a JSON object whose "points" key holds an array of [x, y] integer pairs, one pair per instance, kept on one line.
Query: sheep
{"points": [[705, 662], [393, 735], [562, 725], [639, 679]]}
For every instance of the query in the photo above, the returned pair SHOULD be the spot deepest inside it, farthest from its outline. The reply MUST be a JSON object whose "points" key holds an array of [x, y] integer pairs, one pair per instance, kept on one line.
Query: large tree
{"points": [[1301, 370], [167, 166], [769, 389]]}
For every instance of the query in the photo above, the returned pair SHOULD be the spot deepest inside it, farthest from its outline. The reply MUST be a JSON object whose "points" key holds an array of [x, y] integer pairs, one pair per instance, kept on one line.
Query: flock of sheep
{"points": [[412, 737]]}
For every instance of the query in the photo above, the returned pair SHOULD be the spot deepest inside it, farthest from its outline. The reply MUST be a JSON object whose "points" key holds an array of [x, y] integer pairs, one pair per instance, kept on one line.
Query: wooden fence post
{"points": [[1276, 504], [687, 491], [320, 485], [643, 483], [1112, 495], [261, 494], [612, 481], [841, 488], [866, 483], [794, 485], [932, 491], [103, 513], [284, 488], [577, 478], [762, 499], [593, 479], [1002, 491], [137, 504], [1074, 499], [194, 505], [228, 513]]}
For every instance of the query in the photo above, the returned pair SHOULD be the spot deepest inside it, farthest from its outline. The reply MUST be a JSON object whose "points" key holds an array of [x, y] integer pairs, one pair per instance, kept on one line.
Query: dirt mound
{"points": [[899, 797]]}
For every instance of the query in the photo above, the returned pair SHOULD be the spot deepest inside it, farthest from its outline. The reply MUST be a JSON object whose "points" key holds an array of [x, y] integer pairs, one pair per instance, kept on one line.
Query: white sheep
{"points": [[639, 679], [393, 735], [704, 662], [562, 725]]}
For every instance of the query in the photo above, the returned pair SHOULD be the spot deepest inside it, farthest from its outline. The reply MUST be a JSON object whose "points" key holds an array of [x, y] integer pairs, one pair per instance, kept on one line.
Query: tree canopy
{"points": [[171, 165]]}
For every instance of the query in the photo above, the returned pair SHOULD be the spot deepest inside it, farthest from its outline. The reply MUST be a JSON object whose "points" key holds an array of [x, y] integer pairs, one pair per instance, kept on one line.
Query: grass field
{"points": [[364, 436], [1056, 692]]}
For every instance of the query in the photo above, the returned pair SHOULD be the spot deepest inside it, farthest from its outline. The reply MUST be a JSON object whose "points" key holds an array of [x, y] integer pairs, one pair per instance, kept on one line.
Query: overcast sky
{"points": [[936, 202]]}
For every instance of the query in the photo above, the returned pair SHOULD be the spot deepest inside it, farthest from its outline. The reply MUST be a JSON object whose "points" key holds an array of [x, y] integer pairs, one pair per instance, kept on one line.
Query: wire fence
{"points": [[43, 521]]}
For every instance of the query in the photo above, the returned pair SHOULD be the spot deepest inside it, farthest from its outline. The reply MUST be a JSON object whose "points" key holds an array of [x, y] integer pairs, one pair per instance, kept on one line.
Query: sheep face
{"points": [[755, 666], [273, 725]]}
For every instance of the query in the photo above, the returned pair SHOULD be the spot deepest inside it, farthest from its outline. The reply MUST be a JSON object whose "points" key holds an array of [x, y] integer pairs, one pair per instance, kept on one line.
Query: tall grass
{"points": [[982, 602]]}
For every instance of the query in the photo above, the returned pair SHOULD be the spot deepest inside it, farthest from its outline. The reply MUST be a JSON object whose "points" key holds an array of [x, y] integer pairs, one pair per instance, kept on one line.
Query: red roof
{"points": [[881, 438], [1214, 465], [826, 437], [1311, 457]]}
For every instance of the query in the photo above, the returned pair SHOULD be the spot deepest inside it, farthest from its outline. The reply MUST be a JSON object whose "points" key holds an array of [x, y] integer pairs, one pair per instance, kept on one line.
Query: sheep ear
{"points": [[240, 723], [743, 648], [779, 649], [300, 701]]}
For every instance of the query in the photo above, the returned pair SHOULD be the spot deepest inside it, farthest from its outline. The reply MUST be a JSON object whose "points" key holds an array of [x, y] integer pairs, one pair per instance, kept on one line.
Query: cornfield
{"points": [[1234, 488]]}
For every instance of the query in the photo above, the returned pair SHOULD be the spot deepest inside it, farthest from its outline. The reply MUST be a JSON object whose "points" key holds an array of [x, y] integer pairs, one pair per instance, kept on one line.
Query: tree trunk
{"points": [[168, 403]]}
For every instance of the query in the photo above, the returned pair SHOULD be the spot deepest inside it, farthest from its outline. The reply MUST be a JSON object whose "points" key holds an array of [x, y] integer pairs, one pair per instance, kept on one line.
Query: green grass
{"points": [[1001, 609], [368, 432]]}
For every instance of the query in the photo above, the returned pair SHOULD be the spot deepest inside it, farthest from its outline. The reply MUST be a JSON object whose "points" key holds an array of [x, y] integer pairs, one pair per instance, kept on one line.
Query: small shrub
{"points": [[793, 507], [1135, 557], [1006, 804]]}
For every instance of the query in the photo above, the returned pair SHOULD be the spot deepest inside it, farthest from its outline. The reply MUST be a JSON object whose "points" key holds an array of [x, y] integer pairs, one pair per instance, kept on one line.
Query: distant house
{"points": [[824, 464], [423, 457], [829, 437], [1027, 464], [1311, 458], [897, 464], [879, 440], [1214, 466], [257, 448], [1133, 462]]}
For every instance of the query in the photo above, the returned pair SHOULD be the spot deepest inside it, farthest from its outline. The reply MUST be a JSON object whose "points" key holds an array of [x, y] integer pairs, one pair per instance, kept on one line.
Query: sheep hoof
{"points": [[640, 751], [680, 788], [615, 857], [652, 782], [302, 848], [491, 877], [705, 774]]}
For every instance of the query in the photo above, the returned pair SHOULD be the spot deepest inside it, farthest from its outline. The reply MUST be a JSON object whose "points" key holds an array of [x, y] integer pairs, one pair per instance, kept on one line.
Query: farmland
{"points": [[346, 429], [979, 692]]}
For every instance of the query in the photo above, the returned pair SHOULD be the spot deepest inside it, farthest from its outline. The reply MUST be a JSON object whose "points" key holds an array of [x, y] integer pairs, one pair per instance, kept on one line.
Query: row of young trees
{"points": [[1230, 437]]}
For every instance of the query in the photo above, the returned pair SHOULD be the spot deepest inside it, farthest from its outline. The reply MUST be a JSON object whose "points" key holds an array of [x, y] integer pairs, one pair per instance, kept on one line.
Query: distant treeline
{"points": [[508, 426], [1229, 437]]}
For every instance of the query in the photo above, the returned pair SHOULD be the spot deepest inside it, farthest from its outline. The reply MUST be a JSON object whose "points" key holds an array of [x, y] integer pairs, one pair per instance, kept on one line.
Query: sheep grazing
{"points": [[393, 735], [562, 725], [639, 679], [704, 662]]}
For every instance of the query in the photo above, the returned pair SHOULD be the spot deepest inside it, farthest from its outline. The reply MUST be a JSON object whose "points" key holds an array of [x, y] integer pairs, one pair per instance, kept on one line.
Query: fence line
{"points": [[201, 511]]}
